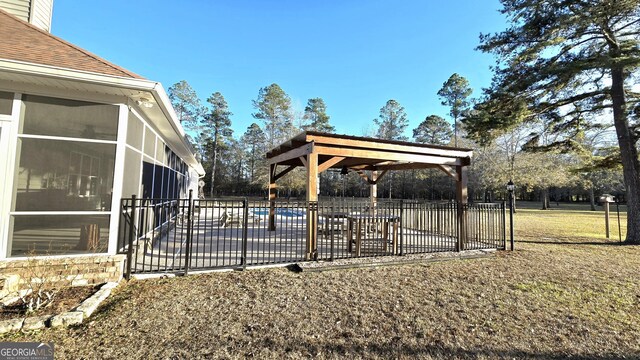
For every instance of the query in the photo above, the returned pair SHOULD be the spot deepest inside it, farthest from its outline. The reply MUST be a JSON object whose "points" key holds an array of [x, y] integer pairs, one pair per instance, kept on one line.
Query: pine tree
{"points": [[569, 64], [186, 103], [253, 139], [455, 94], [315, 114], [433, 130], [216, 125], [392, 122], [273, 107]]}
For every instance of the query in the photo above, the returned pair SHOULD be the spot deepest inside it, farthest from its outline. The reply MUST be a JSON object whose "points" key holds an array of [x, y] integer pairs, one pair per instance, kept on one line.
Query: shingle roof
{"points": [[21, 41]]}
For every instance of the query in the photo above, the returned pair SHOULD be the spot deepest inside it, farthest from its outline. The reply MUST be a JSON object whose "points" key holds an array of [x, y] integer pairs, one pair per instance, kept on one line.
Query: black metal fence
{"points": [[179, 235]]}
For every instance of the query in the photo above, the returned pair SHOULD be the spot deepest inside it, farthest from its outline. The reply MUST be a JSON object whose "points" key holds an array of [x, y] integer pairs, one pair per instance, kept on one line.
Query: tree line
{"points": [[236, 165], [561, 117]]}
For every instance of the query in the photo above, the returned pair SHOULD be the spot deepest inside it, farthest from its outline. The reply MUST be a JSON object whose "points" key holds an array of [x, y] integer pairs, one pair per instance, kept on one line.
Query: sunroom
{"points": [[76, 134]]}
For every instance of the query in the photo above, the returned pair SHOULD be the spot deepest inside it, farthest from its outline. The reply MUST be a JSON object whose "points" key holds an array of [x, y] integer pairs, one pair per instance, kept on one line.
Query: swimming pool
{"points": [[281, 212]]}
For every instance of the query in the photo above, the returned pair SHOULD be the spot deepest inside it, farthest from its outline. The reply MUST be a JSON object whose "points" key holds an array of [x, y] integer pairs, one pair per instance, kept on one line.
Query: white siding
{"points": [[19, 8], [41, 11], [37, 12]]}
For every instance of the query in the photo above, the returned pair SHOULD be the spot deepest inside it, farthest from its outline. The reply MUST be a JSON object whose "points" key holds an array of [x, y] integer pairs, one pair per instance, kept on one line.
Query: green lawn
{"points": [[567, 223], [565, 292]]}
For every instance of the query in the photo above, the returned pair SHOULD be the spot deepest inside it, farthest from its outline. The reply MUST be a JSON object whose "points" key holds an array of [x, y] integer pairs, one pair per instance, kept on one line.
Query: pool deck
{"points": [[217, 242]]}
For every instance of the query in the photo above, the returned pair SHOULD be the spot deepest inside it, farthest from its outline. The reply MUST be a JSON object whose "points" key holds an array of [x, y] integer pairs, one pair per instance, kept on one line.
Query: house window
{"points": [[64, 178], [84, 175]]}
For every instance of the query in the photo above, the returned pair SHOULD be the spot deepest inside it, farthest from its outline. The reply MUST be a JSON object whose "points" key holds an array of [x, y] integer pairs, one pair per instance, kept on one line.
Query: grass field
{"points": [[567, 223], [565, 292]]}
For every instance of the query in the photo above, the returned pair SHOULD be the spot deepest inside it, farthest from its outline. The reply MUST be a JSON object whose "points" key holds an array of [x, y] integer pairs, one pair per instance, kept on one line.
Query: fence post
{"points": [[245, 229], [460, 226], [187, 253], [511, 220], [312, 231], [331, 224], [131, 235], [315, 230], [401, 227], [504, 225]]}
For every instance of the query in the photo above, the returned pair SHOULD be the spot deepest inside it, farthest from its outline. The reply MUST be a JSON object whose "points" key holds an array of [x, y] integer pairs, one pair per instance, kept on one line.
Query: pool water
{"points": [[281, 212]]}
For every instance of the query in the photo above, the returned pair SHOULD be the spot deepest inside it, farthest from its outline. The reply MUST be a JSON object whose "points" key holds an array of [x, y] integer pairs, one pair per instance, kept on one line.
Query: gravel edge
{"points": [[362, 262]]}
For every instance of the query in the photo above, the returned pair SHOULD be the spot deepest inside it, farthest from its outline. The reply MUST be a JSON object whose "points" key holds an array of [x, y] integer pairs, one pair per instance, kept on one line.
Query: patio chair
{"points": [[229, 218]]}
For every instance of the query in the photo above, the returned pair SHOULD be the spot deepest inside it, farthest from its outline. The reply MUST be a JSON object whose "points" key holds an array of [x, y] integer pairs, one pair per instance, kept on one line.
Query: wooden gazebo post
{"points": [[312, 204], [373, 188], [272, 197], [372, 180], [461, 198]]}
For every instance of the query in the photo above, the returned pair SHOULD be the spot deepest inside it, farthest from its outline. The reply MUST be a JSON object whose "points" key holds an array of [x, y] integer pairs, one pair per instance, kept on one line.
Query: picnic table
{"points": [[372, 233], [334, 221]]}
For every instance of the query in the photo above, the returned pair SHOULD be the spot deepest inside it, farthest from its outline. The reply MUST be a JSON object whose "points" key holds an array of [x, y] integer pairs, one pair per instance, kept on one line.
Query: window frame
{"points": [[14, 155]]}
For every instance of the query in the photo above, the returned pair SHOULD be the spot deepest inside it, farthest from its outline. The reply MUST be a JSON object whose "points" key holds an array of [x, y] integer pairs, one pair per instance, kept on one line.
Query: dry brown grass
{"points": [[571, 297]]}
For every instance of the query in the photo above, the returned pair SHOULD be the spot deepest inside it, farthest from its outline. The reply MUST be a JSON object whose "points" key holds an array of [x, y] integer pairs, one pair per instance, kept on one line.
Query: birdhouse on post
{"points": [[605, 200]]}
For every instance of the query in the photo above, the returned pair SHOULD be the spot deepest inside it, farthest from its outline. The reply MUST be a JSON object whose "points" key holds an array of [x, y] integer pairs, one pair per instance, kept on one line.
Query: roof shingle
{"points": [[21, 41]]}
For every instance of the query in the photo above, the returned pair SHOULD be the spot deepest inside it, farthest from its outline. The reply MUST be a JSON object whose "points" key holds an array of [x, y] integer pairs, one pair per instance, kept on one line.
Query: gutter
{"points": [[111, 81], [48, 71]]}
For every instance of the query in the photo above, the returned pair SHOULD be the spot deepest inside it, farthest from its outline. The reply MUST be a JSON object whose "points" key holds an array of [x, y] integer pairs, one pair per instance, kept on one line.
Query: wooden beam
{"points": [[303, 160], [379, 177], [449, 171], [365, 177], [405, 166], [374, 166], [329, 163], [387, 155], [374, 178], [285, 146], [363, 166], [292, 154], [284, 172], [371, 145]]}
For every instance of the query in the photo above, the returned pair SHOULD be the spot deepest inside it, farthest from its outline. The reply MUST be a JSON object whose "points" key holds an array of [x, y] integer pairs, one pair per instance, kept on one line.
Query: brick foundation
{"points": [[77, 270]]}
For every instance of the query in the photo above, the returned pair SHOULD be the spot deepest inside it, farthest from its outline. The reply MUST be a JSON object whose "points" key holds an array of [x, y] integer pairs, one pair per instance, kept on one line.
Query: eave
{"points": [[161, 114]]}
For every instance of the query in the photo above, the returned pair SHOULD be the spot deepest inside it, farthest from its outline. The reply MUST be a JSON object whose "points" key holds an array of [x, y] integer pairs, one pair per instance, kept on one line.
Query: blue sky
{"points": [[355, 54]]}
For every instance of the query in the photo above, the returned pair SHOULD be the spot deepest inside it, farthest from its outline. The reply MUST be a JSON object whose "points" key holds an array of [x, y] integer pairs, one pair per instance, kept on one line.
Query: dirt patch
{"points": [[65, 300]]}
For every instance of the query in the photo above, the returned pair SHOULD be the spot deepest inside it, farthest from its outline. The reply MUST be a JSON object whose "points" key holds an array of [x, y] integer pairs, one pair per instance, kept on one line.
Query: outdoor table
{"points": [[340, 216], [358, 229]]}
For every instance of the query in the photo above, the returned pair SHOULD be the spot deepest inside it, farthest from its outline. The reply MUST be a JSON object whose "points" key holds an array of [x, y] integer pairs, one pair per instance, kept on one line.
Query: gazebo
{"points": [[371, 158]]}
